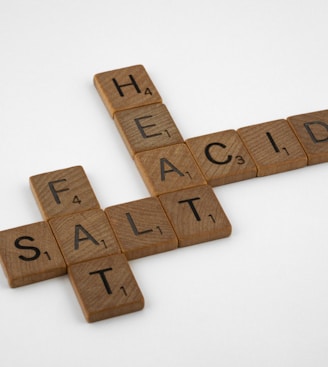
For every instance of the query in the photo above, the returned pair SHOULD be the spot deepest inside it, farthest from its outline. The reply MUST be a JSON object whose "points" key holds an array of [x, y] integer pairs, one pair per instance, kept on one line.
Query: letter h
{"points": [[119, 87]]}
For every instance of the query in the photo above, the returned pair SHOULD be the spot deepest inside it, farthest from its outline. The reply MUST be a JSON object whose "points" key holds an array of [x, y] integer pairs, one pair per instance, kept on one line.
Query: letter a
{"points": [[78, 239], [164, 161]]}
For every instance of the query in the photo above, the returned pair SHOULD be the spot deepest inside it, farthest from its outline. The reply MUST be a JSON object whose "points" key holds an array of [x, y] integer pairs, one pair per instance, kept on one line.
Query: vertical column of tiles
{"points": [[312, 131], [169, 169], [142, 228], [196, 215], [273, 146], [126, 88], [62, 192], [105, 287], [84, 236], [147, 127], [222, 157], [30, 254]]}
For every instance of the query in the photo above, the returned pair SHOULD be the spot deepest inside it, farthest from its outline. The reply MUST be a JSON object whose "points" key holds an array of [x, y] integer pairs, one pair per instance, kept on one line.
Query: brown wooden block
{"points": [[196, 215], [312, 131], [126, 88], [273, 146], [147, 127], [222, 157], [105, 287], [169, 169], [30, 254], [62, 192], [142, 228], [84, 236]]}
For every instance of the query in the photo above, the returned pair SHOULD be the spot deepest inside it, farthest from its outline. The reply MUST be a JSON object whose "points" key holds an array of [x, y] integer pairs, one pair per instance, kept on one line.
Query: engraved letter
{"points": [[192, 207], [164, 161], [307, 125], [78, 239], [119, 87], [22, 247], [211, 159], [54, 191]]}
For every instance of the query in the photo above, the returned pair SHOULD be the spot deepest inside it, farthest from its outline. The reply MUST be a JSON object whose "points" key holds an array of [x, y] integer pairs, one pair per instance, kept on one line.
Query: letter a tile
{"points": [[84, 236], [273, 146], [30, 254], [312, 131], [62, 192], [105, 287], [169, 169], [126, 88], [147, 127], [142, 228], [222, 157], [196, 215]]}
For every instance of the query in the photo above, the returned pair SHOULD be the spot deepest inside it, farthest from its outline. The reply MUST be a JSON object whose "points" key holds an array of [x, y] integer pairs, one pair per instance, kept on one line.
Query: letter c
{"points": [[211, 159]]}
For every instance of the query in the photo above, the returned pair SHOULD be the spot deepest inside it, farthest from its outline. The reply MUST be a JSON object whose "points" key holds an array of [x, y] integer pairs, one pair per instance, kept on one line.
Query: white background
{"points": [[258, 298]]}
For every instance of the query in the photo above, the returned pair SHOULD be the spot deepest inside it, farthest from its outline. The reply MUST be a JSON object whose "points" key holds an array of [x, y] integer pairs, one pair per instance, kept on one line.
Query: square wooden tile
{"points": [[196, 215], [142, 228], [30, 254], [273, 146], [61, 192], [222, 157], [312, 131], [169, 169], [105, 287], [84, 236], [147, 127], [126, 88]]}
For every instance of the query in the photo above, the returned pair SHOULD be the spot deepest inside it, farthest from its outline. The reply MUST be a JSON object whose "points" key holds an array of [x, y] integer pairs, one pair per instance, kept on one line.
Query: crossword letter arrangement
{"points": [[93, 246]]}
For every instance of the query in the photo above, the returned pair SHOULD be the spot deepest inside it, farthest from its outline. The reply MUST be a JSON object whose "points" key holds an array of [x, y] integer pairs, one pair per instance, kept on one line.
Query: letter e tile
{"points": [[169, 169], [312, 131], [142, 228], [30, 254], [147, 127], [273, 146], [84, 236], [105, 287], [62, 192], [126, 88], [196, 215]]}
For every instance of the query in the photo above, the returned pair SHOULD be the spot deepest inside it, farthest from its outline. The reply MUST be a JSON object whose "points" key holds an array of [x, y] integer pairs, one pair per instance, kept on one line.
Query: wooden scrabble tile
{"points": [[84, 236], [312, 131], [142, 228], [147, 127], [196, 215], [126, 88], [62, 192], [105, 287], [273, 146], [30, 254], [222, 157], [169, 169]]}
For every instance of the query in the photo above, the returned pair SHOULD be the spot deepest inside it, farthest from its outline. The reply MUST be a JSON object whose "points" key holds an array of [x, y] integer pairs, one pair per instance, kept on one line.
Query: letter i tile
{"points": [[312, 131], [196, 215], [30, 254], [273, 147], [105, 287]]}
